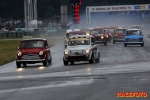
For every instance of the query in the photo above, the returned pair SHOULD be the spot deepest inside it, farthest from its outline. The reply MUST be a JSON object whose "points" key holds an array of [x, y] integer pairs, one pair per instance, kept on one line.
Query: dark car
{"points": [[100, 36], [34, 50]]}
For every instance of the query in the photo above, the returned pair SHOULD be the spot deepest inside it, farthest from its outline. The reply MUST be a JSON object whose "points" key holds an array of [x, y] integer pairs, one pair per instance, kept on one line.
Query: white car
{"points": [[81, 48]]}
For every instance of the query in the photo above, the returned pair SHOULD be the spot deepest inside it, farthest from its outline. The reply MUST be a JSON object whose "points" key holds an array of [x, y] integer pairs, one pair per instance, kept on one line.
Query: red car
{"points": [[34, 50], [108, 34], [99, 35], [119, 34]]}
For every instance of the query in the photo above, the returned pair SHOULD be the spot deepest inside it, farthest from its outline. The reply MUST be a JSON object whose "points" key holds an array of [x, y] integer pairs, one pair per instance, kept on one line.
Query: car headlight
{"points": [[87, 34], [66, 52], [41, 53], [87, 51], [19, 53], [102, 37], [107, 36]]}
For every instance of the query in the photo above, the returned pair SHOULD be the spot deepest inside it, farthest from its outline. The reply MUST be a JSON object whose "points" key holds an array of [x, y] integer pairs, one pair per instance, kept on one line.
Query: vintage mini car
{"points": [[33, 50], [72, 33], [81, 48], [134, 37], [119, 34], [109, 35], [100, 36]]}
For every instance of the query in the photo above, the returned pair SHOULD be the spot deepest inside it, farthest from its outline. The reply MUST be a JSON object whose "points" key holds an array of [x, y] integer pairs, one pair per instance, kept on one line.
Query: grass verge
{"points": [[8, 50]]}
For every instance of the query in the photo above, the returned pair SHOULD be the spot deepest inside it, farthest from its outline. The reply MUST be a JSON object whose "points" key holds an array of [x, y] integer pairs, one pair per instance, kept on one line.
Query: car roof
{"points": [[98, 28], [81, 36], [77, 32], [134, 29], [122, 28], [34, 39], [72, 30]]}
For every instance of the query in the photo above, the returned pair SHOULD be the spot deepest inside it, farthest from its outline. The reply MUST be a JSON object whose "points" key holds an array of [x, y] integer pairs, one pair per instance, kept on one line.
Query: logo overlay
{"points": [[131, 94]]}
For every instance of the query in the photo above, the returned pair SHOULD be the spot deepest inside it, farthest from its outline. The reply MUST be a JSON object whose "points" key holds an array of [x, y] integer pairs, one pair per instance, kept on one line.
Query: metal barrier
{"points": [[15, 34]]}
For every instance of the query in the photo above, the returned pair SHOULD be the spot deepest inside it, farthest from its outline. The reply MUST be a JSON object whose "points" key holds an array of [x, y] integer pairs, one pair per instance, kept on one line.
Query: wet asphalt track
{"points": [[125, 69]]}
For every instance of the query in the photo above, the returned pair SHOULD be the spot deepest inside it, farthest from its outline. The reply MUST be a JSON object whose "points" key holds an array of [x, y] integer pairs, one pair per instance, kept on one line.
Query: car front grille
{"points": [[134, 40], [30, 57]]}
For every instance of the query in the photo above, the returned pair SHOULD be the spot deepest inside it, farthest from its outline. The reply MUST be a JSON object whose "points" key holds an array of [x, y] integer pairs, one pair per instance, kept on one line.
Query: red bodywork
{"points": [[112, 30], [97, 37], [31, 54]]}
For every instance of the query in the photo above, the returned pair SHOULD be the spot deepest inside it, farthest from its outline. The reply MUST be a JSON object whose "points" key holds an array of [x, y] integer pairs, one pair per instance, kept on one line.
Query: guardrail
{"points": [[14, 34]]}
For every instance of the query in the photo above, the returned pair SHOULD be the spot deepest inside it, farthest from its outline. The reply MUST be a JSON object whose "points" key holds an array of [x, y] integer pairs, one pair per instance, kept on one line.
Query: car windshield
{"points": [[120, 31], [81, 41], [32, 44], [97, 32], [74, 34], [134, 32], [111, 30]]}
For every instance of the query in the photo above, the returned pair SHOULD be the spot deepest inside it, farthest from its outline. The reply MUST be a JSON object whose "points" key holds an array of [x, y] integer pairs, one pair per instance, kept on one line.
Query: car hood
{"points": [[31, 50], [134, 36], [78, 47]]}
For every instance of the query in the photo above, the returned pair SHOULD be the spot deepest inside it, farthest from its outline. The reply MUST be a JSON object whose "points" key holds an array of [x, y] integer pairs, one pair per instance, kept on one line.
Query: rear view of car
{"points": [[119, 35], [134, 37]]}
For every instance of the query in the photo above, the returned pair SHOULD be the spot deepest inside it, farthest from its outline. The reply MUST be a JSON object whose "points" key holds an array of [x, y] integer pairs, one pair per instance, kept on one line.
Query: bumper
{"points": [[77, 58], [132, 43], [31, 61], [97, 42]]}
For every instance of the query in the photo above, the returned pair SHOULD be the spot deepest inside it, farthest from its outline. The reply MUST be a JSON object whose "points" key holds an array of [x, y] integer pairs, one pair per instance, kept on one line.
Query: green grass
{"points": [[8, 51], [9, 48]]}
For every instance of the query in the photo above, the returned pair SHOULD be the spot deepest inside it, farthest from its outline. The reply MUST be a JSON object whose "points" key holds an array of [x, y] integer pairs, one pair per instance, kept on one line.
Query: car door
{"points": [[94, 47], [47, 49]]}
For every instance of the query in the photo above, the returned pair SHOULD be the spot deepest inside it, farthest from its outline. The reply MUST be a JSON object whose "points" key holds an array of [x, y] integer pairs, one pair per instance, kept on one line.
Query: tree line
{"points": [[48, 8]]}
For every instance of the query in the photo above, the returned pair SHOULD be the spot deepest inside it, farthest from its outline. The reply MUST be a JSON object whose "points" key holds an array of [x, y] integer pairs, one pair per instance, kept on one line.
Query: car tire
{"points": [[98, 59], [18, 64], [24, 64], [142, 44], [65, 46], [65, 62], [125, 45], [46, 62], [92, 59], [72, 62], [105, 43], [113, 42]]}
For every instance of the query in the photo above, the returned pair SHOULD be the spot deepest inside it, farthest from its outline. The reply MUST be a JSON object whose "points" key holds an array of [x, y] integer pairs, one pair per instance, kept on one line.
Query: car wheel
{"points": [[65, 62], [125, 45], [98, 59], [92, 59], [24, 64], [46, 62], [18, 64], [113, 42], [65, 46], [50, 60], [72, 62], [105, 43], [142, 44]]}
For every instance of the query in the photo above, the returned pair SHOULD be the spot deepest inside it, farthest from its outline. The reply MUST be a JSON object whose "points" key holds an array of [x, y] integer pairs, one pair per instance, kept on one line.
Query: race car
{"points": [[33, 50], [100, 36], [134, 37], [135, 27], [68, 35], [112, 29], [109, 35], [119, 34], [81, 48]]}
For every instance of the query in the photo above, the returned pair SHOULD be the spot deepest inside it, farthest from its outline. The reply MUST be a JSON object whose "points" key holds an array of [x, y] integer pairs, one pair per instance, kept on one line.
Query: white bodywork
{"points": [[81, 51]]}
